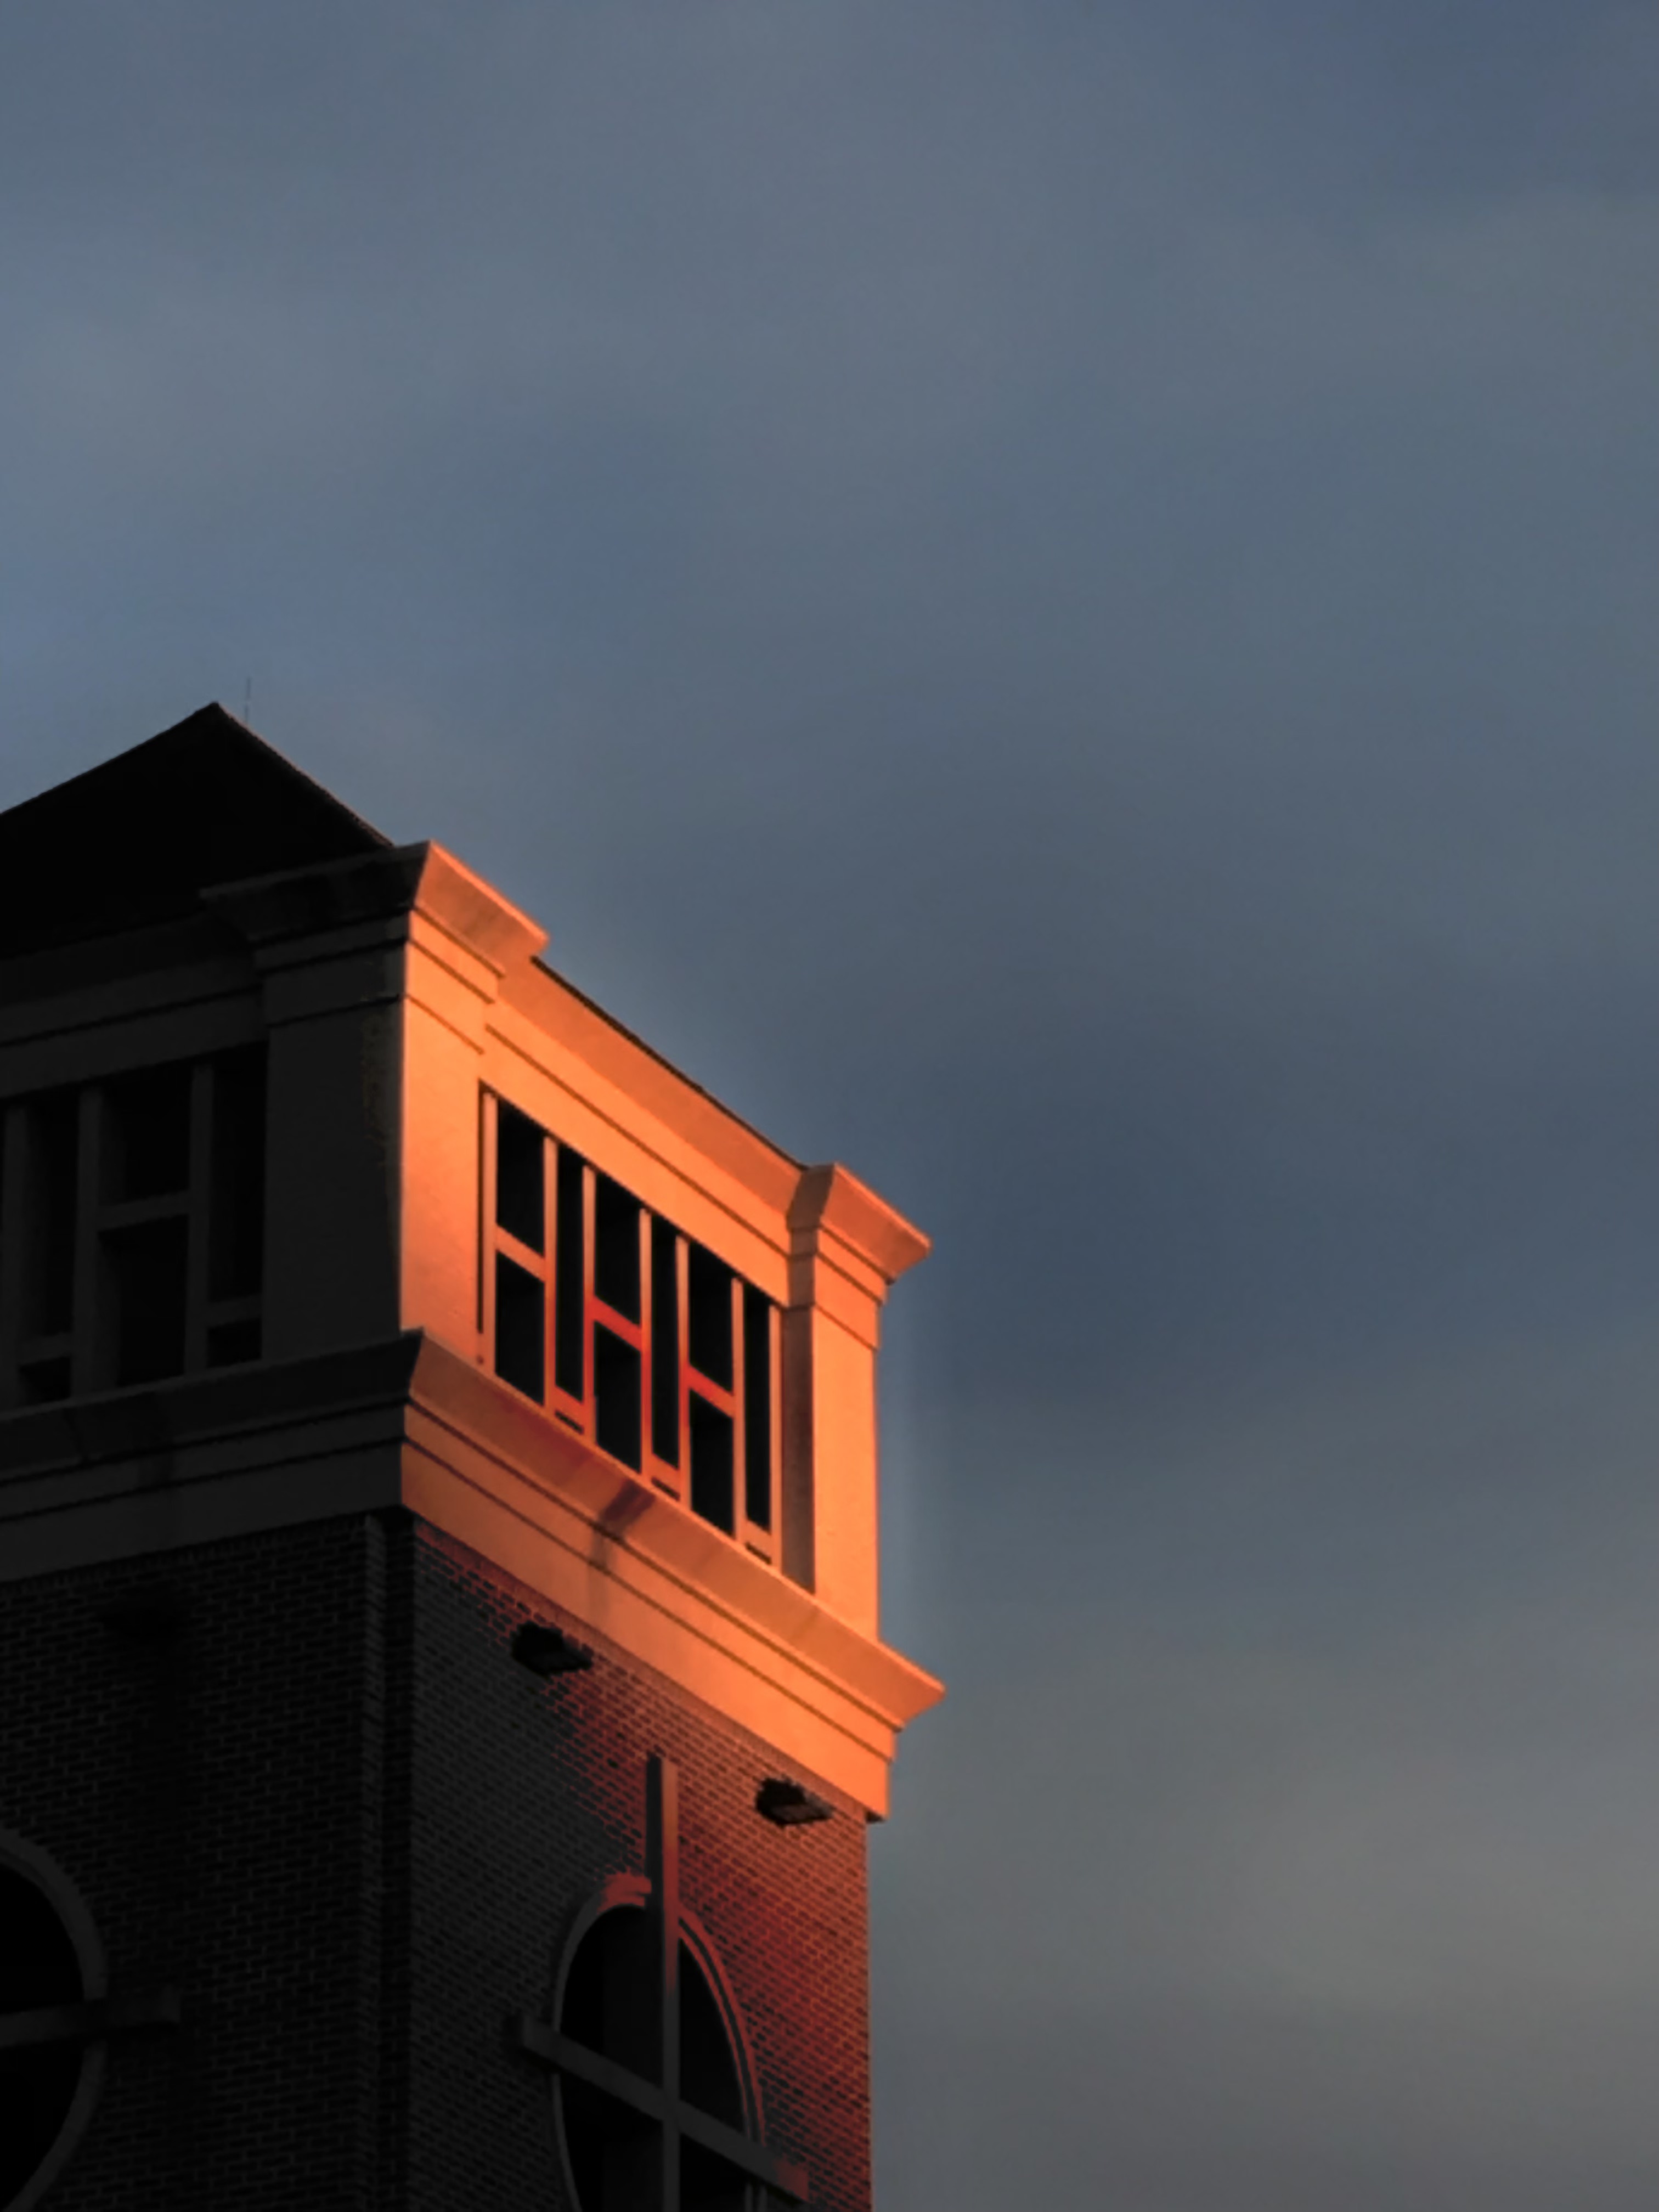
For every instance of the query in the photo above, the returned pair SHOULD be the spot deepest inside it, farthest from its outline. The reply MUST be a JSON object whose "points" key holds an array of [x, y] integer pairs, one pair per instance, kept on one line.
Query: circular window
{"points": [[614, 2147], [49, 1961]]}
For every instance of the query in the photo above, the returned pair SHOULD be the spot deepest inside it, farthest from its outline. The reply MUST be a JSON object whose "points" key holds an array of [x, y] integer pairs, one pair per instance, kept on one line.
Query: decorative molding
{"points": [[832, 1199], [409, 1422]]}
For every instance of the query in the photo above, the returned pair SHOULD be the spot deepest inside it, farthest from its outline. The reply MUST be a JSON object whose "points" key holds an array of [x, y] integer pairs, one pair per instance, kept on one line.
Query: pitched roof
{"points": [[134, 840]]}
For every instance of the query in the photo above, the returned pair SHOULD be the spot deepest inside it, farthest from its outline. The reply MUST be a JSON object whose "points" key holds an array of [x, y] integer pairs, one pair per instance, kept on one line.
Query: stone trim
{"points": [[409, 1422]]}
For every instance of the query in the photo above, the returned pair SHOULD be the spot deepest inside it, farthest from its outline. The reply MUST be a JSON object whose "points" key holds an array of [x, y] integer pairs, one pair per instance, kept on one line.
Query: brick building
{"points": [[441, 1699]]}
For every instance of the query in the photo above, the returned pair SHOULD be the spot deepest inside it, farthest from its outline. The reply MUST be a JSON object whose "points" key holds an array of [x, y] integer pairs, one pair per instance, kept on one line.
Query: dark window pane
{"points": [[520, 1329], [520, 1149], [707, 2184], [616, 1249], [611, 1992], [569, 1275], [711, 1463], [610, 2004], [236, 1204], [49, 1214], [708, 2072], [709, 1292], [232, 1344], [757, 1406], [147, 1133], [665, 1345], [44, 1381], [616, 1397], [38, 1967], [144, 1283]]}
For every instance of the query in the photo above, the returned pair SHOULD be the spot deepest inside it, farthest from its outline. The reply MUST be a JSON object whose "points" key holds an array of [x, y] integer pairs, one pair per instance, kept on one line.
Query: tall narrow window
{"points": [[236, 1207], [520, 1285], [519, 1177], [712, 1463], [616, 1247], [616, 1317], [760, 1445], [570, 1277], [665, 1355], [617, 1426], [42, 1179], [713, 1408], [710, 1331], [145, 1285], [521, 1328]]}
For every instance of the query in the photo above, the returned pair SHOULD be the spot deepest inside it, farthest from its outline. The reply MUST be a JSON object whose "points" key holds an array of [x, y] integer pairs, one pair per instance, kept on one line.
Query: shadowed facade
{"points": [[442, 1696]]}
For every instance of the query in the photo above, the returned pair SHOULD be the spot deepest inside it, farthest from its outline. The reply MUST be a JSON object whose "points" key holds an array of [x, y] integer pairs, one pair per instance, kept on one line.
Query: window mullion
{"points": [[683, 1281], [739, 1461], [775, 1357], [13, 1195], [550, 1279], [646, 1440], [488, 1207], [88, 1355], [202, 1103], [590, 1361]]}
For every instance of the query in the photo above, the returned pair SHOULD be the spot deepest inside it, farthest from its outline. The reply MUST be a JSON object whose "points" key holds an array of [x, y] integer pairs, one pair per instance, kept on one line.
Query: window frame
{"points": [[628, 1892], [89, 1343], [762, 1539]]}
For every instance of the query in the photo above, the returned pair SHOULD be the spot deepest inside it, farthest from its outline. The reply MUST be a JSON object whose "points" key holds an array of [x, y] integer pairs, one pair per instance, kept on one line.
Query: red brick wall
{"points": [[338, 1815], [526, 1794]]}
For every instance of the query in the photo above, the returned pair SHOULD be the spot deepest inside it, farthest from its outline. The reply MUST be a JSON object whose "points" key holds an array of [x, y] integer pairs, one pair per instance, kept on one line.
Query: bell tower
{"points": [[441, 1692]]}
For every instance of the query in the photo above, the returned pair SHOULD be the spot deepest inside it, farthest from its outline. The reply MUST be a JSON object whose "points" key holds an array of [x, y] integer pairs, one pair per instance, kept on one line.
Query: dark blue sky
{"points": [[1058, 600]]}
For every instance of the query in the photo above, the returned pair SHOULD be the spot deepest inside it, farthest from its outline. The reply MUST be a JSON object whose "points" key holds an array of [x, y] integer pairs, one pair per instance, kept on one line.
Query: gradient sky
{"points": [[1058, 601]]}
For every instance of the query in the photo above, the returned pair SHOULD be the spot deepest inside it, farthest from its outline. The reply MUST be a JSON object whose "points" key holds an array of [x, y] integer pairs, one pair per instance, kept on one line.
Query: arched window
{"points": [[656, 2106], [50, 1965], [614, 2151]]}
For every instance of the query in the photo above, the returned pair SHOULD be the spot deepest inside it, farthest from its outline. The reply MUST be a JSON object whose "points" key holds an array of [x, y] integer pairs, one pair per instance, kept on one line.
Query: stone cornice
{"points": [[308, 903], [295, 914], [410, 1423], [625, 1513], [830, 1203], [549, 1006], [475, 914]]}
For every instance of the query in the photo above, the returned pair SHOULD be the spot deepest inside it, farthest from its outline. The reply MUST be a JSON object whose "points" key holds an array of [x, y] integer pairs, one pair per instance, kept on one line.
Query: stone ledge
{"points": [[409, 1422]]}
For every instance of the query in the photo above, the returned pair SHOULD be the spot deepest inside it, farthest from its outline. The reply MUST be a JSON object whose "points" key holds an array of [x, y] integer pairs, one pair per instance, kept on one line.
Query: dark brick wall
{"points": [[216, 1796], [334, 1811]]}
